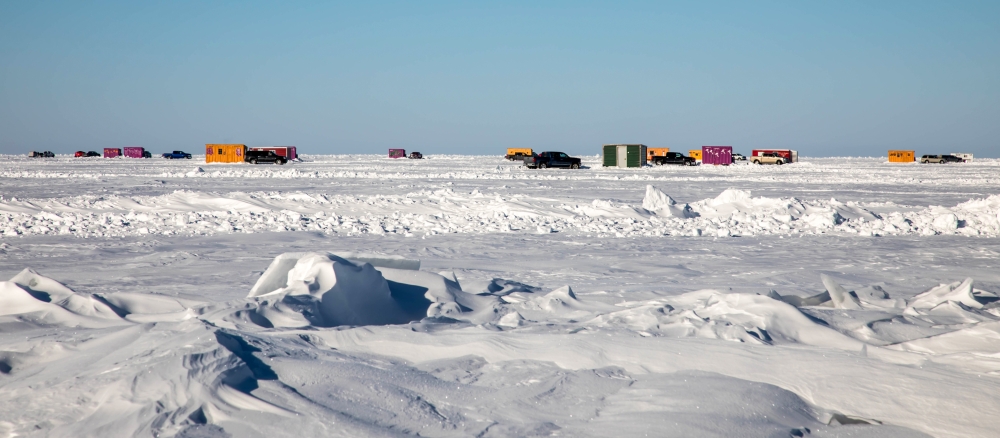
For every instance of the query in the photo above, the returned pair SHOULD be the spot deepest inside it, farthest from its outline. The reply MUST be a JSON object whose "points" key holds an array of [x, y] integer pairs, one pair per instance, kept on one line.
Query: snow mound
{"points": [[39, 299], [663, 205], [325, 290]]}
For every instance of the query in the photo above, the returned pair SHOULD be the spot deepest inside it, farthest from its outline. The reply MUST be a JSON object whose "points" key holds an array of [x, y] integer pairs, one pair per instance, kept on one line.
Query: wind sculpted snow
{"points": [[249, 367]]}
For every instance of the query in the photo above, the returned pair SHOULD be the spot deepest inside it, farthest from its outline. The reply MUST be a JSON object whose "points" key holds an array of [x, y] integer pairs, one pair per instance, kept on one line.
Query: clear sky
{"points": [[828, 78]]}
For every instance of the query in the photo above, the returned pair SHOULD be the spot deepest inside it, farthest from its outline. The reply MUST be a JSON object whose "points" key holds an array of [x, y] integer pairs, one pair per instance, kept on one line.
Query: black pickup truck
{"points": [[254, 157], [674, 158], [542, 160]]}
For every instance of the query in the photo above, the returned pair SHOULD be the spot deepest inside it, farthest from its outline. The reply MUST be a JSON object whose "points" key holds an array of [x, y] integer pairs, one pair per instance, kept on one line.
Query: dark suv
{"points": [[254, 157], [941, 159]]}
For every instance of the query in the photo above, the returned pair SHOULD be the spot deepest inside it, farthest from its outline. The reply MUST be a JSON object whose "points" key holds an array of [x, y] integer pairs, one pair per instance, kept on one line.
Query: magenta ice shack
{"points": [[716, 155], [134, 151]]}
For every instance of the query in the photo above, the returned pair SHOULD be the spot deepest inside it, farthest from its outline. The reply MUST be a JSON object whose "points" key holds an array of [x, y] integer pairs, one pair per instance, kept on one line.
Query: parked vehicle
{"points": [[940, 159], [769, 158], [790, 156], [79, 154], [177, 155], [655, 152], [551, 159], [674, 158], [416, 156], [967, 157], [255, 157], [739, 157], [46, 154], [518, 153], [93, 154], [289, 152]]}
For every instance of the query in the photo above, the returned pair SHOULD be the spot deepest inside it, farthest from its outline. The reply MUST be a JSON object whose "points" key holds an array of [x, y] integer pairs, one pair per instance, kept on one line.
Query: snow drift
{"points": [[731, 213], [150, 364]]}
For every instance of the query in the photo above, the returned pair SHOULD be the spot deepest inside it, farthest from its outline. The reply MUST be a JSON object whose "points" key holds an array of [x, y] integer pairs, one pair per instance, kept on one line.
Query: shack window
{"points": [[220, 150]]}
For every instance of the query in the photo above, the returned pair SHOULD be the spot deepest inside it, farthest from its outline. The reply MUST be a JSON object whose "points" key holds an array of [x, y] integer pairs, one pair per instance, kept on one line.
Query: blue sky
{"points": [[826, 78]]}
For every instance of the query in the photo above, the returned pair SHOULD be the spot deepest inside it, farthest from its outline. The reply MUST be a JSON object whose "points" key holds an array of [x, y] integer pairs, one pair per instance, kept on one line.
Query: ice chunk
{"points": [[841, 298]]}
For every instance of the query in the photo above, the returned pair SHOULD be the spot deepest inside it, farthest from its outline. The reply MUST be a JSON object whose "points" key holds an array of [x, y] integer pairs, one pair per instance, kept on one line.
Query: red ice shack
{"points": [[288, 152], [397, 153], [131, 152], [791, 155], [717, 155], [112, 152]]}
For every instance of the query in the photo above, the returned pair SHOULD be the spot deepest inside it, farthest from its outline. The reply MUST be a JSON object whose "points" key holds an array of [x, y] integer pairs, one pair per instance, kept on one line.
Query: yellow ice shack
{"points": [[225, 153]]}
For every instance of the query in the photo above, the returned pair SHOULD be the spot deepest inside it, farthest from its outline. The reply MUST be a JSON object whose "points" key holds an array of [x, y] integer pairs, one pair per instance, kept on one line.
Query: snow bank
{"points": [[732, 213]]}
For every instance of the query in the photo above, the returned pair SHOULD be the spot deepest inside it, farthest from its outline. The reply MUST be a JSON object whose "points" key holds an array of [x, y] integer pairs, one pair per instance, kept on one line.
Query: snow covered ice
{"points": [[466, 296]]}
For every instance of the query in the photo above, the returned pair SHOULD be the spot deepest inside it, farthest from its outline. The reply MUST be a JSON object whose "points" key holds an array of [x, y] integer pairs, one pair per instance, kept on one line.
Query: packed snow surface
{"points": [[466, 296]]}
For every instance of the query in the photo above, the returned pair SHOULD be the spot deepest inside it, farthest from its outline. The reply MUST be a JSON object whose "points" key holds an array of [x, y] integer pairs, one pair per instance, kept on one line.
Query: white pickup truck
{"points": [[769, 158]]}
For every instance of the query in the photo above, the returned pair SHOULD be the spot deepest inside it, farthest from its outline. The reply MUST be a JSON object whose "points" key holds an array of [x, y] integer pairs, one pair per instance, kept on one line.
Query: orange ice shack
{"points": [[225, 153]]}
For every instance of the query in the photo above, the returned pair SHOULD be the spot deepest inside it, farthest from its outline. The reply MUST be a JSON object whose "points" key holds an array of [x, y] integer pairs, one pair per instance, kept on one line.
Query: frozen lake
{"points": [[831, 297]]}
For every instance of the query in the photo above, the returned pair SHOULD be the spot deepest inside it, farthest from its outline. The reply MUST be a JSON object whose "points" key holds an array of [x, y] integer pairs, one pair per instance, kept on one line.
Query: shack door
{"points": [[622, 156], [610, 156], [634, 157]]}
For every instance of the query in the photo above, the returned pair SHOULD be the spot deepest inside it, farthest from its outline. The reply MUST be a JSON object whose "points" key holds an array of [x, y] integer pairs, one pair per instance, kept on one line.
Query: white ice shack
{"points": [[964, 156]]}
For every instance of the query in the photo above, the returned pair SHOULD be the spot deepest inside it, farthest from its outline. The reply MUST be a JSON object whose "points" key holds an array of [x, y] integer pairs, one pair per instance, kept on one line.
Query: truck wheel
{"points": [[542, 165], [780, 162], [756, 161], [574, 166], [280, 162], [253, 161]]}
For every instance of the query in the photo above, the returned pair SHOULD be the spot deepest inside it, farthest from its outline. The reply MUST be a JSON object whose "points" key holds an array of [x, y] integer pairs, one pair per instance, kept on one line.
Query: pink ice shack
{"points": [[397, 153], [134, 152], [112, 152], [717, 155]]}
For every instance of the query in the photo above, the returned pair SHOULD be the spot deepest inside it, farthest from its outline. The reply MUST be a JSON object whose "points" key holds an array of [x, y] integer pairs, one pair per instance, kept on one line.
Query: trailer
{"points": [[518, 153], [791, 156], [656, 152], [225, 153], [964, 156], [718, 155], [901, 156], [624, 155], [289, 152], [112, 152], [136, 152], [397, 153]]}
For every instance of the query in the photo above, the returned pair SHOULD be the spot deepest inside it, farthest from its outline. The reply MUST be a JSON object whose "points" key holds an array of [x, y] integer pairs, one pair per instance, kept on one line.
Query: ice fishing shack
{"points": [[719, 155], [625, 155], [225, 153]]}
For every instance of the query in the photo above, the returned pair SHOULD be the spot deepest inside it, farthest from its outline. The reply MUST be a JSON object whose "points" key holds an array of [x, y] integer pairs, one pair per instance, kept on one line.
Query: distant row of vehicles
{"points": [[625, 156], [941, 159], [224, 153]]}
